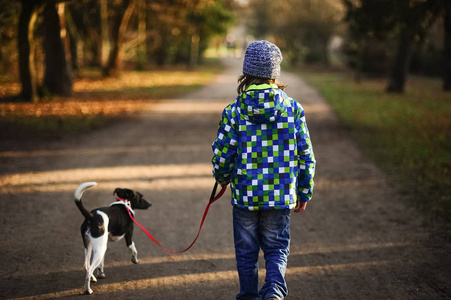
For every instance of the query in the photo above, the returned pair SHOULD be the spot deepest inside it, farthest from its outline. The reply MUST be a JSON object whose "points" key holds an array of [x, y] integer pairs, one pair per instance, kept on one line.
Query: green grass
{"points": [[408, 136]]}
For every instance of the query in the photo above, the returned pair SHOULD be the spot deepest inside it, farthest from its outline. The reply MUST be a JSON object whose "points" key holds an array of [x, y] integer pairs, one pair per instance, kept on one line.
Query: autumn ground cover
{"points": [[408, 135], [97, 100]]}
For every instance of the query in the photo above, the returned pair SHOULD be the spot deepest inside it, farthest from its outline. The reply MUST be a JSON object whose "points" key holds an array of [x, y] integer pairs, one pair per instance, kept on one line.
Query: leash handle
{"points": [[213, 193], [213, 198]]}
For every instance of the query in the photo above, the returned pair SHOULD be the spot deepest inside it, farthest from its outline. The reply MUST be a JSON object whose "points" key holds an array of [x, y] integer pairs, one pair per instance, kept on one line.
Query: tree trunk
{"points": [[120, 23], [447, 48], [400, 66], [359, 59], [58, 72], [25, 45], [74, 40], [194, 53], [141, 52], [325, 52], [104, 32]]}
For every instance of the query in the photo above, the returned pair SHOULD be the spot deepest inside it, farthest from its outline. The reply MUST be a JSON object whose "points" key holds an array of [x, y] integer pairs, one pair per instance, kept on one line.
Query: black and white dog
{"points": [[107, 223]]}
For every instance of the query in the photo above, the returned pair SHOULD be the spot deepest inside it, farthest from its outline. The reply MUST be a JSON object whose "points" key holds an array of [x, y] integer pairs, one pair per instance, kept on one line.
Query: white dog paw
{"points": [[89, 292], [135, 260]]}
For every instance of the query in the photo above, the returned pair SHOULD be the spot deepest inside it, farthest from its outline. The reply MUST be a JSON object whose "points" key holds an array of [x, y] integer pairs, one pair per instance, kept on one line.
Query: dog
{"points": [[107, 223]]}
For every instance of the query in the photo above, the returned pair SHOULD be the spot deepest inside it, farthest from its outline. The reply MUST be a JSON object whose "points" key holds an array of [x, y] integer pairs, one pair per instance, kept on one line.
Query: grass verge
{"points": [[408, 135], [96, 100]]}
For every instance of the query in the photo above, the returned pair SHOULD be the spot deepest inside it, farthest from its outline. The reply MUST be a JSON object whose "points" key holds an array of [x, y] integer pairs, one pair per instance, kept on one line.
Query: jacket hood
{"points": [[261, 104]]}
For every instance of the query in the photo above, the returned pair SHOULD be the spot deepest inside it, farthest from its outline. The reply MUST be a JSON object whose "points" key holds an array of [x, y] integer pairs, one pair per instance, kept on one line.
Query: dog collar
{"points": [[124, 202]]}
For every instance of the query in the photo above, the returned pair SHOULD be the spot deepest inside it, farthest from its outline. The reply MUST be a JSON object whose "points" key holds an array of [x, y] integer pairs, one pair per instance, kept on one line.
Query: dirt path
{"points": [[357, 239]]}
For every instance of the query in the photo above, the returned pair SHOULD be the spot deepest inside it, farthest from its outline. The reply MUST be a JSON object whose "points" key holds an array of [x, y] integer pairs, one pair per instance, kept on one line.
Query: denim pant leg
{"points": [[245, 232], [275, 242]]}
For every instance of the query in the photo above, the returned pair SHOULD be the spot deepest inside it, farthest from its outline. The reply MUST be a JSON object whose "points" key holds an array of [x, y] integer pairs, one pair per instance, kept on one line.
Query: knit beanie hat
{"points": [[262, 59]]}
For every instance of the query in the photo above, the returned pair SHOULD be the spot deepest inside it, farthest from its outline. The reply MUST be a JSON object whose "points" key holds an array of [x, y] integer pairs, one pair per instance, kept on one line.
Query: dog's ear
{"points": [[116, 191], [124, 193]]}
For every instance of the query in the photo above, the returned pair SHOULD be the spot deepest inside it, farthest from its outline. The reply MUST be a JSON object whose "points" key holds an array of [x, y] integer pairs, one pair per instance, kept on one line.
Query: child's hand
{"points": [[300, 206]]}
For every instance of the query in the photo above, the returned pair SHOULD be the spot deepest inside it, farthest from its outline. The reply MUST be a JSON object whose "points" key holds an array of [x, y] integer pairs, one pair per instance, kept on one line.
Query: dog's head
{"points": [[136, 198]]}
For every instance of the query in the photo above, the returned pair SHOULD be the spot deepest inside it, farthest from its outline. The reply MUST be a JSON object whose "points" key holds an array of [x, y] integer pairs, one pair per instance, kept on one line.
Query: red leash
{"points": [[213, 198]]}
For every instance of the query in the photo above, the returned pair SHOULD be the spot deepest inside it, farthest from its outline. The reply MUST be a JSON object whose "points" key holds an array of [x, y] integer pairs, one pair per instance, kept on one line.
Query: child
{"points": [[263, 150]]}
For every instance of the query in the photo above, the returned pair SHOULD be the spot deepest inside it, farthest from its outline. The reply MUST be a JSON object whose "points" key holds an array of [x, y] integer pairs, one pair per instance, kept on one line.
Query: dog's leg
{"points": [[131, 245], [87, 265], [87, 258], [101, 273], [88, 289], [99, 249], [88, 253], [134, 252]]}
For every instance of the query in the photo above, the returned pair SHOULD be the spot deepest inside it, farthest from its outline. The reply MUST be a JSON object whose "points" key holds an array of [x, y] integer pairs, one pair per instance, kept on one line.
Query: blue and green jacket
{"points": [[263, 150]]}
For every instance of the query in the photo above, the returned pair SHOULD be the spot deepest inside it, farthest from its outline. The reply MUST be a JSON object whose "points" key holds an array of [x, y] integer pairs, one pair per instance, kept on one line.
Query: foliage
{"points": [[409, 135], [175, 23], [9, 12], [169, 28], [428, 59], [376, 29], [98, 34], [303, 28]]}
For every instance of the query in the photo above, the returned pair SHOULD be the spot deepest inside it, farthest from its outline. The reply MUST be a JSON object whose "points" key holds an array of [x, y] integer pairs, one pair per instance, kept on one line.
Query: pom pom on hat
{"points": [[262, 59]]}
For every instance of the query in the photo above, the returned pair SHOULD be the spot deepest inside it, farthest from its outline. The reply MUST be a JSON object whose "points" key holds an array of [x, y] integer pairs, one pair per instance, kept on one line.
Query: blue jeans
{"points": [[270, 231]]}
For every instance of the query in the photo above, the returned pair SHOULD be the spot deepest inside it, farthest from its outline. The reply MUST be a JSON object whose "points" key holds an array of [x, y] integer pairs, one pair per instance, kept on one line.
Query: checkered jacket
{"points": [[263, 150]]}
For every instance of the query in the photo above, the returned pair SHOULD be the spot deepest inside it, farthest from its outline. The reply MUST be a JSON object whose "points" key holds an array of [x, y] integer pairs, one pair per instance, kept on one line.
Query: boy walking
{"points": [[263, 150]]}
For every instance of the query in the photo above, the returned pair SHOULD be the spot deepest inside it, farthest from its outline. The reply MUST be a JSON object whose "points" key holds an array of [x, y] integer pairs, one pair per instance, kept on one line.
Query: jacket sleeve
{"points": [[225, 147], [306, 158]]}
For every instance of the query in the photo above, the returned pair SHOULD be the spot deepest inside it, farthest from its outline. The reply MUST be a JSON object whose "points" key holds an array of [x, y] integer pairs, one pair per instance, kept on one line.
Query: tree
{"points": [[303, 28], [58, 72], [415, 18], [205, 20], [447, 47], [181, 29], [261, 18], [369, 23], [405, 21], [142, 34], [84, 26], [9, 15], [58, 76], [26, 46], [121, 12]]}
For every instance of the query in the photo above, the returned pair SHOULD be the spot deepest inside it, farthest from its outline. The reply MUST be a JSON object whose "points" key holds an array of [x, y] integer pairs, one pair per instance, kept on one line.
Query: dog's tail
{"points": [[78, 195]]}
